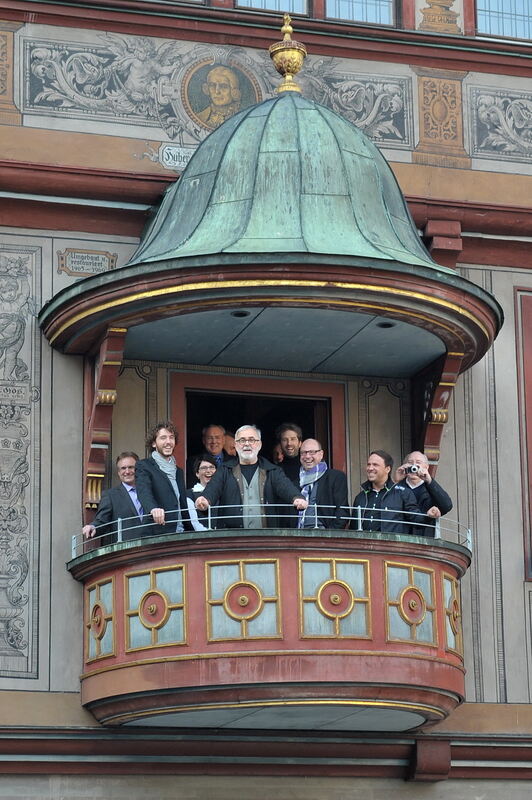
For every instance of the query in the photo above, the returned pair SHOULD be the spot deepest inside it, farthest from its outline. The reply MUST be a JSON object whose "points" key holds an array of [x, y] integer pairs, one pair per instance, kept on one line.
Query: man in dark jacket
{"points": [[251, 484], [289, 436], [431, 498], [324, 488], [213, 439], [119, 502], [160, 482], [384, 505]]}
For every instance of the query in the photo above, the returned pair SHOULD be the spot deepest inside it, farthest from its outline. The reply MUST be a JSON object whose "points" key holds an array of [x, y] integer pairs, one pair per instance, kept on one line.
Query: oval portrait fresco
{"points": [[212, 92]]}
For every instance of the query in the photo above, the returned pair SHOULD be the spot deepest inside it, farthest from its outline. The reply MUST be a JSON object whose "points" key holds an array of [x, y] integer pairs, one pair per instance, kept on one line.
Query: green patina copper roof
{"points": [[286, 176]]}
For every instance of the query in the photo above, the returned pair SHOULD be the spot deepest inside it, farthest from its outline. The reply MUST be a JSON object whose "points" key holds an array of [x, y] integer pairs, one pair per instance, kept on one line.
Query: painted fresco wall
{"points": [[143, 104], [41, 429]]}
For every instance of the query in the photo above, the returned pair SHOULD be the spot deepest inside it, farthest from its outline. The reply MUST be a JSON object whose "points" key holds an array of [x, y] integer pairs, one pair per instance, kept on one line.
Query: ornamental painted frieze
{"points": [[502, 124], [381, 106], [182, 91], [18, 490]]}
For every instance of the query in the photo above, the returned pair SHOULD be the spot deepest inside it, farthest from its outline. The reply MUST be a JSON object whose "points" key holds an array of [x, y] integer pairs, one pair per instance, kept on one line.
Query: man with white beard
{"points": [[251, 485]]}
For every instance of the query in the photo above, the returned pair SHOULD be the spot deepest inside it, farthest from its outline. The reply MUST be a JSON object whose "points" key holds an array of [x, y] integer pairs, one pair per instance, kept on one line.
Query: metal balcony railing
{"points": [[353, 519]]}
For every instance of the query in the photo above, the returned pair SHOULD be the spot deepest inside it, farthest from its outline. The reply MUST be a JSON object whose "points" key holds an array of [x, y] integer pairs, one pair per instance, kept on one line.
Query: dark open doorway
{"points": [[267, 411]]}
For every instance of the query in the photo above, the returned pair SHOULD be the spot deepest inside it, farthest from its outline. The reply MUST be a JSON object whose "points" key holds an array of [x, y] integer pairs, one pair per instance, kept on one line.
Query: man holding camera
{"points": [[431, 498]]}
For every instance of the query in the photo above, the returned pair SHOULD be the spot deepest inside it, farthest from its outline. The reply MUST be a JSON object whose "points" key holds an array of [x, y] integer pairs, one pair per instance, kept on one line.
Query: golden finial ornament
{"points": [[288, 57]]}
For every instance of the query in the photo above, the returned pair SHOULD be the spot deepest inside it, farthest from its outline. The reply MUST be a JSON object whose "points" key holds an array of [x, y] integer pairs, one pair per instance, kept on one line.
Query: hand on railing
{"points": [[342, 520]]}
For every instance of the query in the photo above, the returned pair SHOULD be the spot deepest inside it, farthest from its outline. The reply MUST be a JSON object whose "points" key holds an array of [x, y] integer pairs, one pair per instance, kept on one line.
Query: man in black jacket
{"points": [[213, 439], [250, 485], [289, 436], [324, 488], [160, 482], [431, 498], [119, 502], [383, 505]]}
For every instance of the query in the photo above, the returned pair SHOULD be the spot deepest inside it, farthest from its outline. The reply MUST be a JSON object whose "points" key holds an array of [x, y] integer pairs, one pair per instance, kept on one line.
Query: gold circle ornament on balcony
{"points": [[454, 616], [335, 599], [412, 606], [98, 622], [288, 57], [243, 601], [153, 609]]}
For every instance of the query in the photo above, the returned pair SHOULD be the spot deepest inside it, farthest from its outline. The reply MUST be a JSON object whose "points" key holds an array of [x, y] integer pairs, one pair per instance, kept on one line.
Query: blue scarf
{"points": [[307, 479]]}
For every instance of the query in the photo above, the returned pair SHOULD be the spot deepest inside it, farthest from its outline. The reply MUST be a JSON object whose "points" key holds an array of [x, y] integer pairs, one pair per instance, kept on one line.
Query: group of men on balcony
{"points": [[249, 491]]}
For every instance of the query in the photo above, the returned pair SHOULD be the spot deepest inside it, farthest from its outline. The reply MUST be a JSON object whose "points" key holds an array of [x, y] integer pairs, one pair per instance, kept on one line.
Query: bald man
{"points": [[431, 498], [324, 488]]}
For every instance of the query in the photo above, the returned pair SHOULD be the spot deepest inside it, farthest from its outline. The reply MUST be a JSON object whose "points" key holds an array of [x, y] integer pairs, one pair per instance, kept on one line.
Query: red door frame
{"points": [[181, 382]]}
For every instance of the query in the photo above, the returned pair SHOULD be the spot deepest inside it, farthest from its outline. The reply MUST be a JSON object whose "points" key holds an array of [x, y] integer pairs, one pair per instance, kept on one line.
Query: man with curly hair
{"points": [[160, 482]]}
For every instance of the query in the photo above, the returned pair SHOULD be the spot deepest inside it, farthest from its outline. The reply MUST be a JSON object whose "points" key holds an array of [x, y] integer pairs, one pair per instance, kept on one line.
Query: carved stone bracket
{"points": [[439, 412], [102, 398], [443, 238], [432, 760]]}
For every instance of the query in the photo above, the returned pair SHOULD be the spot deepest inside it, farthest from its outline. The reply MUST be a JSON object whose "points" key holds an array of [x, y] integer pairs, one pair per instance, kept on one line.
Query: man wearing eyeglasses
{"points": [[431, 498], [324, 488], [118, 502], [251, 486]]}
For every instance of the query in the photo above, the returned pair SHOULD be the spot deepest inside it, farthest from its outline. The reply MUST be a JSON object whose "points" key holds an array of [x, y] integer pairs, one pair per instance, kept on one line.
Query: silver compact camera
{"points": [[412, 469]]}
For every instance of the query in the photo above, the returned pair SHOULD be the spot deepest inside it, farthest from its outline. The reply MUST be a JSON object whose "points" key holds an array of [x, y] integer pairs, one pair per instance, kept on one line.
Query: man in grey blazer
{"points": [[120, 502]]}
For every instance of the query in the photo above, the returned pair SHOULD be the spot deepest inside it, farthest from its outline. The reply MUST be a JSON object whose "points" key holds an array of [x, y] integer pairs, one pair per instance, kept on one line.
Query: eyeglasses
{"points": [[249, 440], [309, 452], [210, 468]]}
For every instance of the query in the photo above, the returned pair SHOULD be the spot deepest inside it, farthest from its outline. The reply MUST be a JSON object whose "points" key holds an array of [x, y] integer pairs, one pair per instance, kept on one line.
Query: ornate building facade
{"points": [[102, 107]]}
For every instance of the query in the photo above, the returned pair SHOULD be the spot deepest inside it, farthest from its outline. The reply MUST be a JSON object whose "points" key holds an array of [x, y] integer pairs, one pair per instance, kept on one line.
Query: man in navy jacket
{"points": [[160, 482], [384, 506], [119, 502]]}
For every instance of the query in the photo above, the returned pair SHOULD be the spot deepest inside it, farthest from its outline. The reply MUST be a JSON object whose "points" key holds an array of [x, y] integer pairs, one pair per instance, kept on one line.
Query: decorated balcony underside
{"points": [[273, 630]]}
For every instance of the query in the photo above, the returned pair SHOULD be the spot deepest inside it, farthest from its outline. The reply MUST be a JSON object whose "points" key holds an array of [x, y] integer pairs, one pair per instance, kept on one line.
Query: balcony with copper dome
{"points": [[287, 246]]}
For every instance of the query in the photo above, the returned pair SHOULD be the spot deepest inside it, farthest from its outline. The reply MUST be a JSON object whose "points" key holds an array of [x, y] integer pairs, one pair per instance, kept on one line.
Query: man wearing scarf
{"points": [[324, 488], [161, 484]]}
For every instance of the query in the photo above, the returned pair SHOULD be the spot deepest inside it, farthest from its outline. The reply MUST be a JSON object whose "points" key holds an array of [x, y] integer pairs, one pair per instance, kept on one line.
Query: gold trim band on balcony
{"points": [[380, 704], [199, 286]]}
